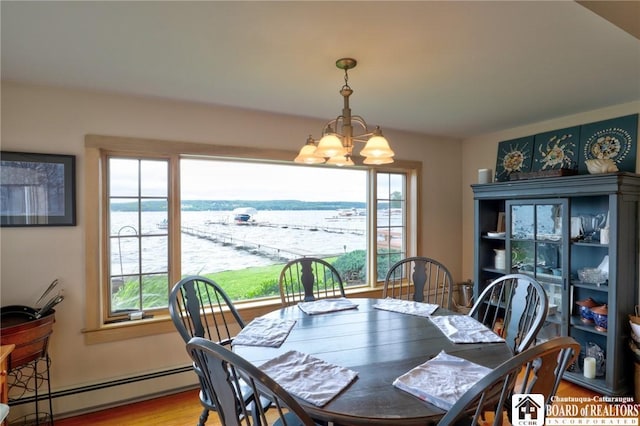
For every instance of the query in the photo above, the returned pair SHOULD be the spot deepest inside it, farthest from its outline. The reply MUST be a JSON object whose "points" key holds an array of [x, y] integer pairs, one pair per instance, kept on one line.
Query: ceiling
{"points": [[450, 68]]}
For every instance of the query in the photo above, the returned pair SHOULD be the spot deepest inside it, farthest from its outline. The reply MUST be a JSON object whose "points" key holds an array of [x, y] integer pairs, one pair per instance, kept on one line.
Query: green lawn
{"points": [[241, 284], [257, 281]]}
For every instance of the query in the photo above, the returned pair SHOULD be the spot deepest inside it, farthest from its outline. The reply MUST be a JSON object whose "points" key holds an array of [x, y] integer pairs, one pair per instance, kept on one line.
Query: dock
{"points": [[329, 229], [258, 249]]}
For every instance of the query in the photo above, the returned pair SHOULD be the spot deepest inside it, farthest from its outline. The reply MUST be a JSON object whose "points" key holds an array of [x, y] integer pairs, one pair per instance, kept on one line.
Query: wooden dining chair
{"points": [[225, 372], [199, 307], [538, 369], [420, 279], [515, 307], [309, 278]]}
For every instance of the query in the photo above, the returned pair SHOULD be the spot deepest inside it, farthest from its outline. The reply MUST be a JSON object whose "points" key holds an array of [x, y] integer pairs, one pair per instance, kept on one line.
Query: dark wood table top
{"points": [[380, 346]]}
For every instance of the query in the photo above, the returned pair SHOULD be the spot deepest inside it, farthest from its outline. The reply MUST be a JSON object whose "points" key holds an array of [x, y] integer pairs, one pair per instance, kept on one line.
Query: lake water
{"points": [[294, 233]]}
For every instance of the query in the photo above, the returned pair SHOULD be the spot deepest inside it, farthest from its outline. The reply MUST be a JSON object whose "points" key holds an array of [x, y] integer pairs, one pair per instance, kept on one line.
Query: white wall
{"points": [[53, 120], [481, 151]]}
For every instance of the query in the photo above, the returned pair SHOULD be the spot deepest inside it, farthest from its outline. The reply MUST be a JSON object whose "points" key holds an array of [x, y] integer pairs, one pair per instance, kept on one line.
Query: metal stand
{"points": [[30, 378]]}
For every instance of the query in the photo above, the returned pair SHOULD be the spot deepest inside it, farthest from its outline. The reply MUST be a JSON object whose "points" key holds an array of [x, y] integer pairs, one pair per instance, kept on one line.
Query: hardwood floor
{"points": [[180, 409], [183, 409]]}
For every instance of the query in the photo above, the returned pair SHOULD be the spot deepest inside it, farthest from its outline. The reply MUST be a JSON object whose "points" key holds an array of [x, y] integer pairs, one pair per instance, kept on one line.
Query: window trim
{"points": [[173, 163], [96, 146]]}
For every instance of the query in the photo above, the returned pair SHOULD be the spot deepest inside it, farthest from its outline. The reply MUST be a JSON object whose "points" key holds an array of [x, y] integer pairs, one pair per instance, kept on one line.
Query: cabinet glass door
{"points": [[537, 248]]}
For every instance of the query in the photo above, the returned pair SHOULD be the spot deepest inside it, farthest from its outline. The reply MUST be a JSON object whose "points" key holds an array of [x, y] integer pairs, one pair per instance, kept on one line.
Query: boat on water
{"points": [[350, 213], [244, 215], [347, 212], [163, 225]]}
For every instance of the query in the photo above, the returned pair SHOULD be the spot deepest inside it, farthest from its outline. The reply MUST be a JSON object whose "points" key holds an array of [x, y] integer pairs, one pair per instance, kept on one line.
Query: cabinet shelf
{"points": [[598, 384], [486, 237], [539, 241], [543, 278], [591, 286], [495, 271], [589, 244], [576, 322], [538, 217], [556, 318]]}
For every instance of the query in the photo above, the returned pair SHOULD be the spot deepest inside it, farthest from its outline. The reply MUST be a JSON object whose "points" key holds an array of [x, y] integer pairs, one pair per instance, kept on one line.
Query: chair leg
{"points": [[203, 417]]}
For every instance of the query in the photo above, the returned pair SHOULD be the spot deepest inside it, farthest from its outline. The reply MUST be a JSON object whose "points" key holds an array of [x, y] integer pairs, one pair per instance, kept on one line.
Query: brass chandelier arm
{"points": [[356, 119]]}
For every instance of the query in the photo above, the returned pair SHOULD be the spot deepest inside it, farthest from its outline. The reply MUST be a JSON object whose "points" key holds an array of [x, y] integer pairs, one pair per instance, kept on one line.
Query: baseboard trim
{"points": [[104, 385]]}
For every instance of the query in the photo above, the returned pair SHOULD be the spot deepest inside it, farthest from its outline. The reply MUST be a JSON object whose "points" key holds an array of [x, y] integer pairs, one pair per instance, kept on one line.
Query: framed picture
{"points": [[615, 139], [556, 150], [37, 189], [514, 156]]}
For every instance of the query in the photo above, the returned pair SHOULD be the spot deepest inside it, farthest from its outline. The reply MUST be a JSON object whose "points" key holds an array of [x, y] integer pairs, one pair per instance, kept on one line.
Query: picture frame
{"points": [[37, 189], [500, 225], [514, 156], [614, 139], [555, 150]]}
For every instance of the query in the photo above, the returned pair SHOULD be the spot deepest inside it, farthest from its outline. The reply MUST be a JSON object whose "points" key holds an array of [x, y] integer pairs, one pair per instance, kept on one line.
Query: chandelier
{"points": [[337, 141]]}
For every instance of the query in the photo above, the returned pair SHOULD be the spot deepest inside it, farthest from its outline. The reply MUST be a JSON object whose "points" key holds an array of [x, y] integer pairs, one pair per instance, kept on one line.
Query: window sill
{"points": [[161, 324]]}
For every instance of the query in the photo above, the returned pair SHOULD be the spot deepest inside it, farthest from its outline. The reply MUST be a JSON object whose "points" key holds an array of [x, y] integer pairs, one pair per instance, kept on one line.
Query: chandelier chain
{"points": [[346, 79]]}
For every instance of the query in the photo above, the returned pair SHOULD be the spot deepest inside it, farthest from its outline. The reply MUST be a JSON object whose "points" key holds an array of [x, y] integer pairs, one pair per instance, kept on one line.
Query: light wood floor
{"points": [[183, 409]]}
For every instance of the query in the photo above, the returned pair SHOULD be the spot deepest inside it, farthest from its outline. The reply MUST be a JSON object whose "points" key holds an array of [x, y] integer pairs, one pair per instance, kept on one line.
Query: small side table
{"points": [[5, 352]]}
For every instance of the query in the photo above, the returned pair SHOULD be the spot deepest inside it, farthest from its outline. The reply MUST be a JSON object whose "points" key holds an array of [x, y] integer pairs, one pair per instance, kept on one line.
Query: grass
{"points": [[240, 284], [257, 281]]}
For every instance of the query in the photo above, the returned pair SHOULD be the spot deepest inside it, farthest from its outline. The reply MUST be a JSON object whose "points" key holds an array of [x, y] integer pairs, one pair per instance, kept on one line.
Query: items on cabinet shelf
{"points": [[577, 236], [597, 353], [485, 176], [500, 259], [586, 315], [600, 317], [589, 367], [600, 147]]}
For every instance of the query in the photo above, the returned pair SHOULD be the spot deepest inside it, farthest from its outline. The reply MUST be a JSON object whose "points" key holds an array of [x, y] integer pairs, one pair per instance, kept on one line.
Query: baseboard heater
{"points": [[107, 384]]}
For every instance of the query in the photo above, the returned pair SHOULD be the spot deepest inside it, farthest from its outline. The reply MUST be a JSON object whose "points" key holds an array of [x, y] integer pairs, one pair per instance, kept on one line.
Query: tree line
{"points": [[228, 205]]}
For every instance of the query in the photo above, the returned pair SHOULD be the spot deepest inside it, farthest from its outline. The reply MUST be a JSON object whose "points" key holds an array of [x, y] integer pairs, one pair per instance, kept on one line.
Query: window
{"points": [[391, 225], [163, 217], [138, 251], [241, 221]]}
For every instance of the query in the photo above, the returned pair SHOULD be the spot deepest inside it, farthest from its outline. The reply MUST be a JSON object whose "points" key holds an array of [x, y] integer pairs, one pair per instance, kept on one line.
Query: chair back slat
{"points": [[200, 307], [307, 279], [420, 279], [514, 306]]}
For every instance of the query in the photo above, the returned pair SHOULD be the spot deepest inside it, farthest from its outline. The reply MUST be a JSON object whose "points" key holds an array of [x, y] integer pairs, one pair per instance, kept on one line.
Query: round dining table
{"points": [[380, 346]]}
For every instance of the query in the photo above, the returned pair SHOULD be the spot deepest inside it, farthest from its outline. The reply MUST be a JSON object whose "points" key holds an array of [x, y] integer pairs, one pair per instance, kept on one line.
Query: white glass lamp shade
{"points": [[377, 147], [308, 155], [330, 146], [340, 160], [377, 161]]}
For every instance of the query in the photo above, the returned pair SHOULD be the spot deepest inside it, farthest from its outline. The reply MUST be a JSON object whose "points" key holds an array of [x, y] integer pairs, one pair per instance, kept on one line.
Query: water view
{"points": [[270, 237]]}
